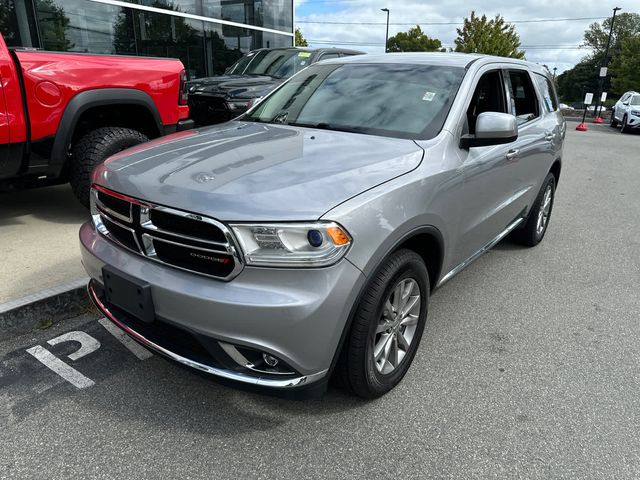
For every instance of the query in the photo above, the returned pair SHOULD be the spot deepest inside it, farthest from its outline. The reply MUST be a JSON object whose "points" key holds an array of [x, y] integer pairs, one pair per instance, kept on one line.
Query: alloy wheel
{"points": [[545, 210], [396, 327]]}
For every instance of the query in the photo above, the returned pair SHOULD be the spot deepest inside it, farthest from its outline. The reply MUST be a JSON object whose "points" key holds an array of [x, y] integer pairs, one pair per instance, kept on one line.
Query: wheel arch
{"points": [[555, 170], [419, 240], [104, 98]]}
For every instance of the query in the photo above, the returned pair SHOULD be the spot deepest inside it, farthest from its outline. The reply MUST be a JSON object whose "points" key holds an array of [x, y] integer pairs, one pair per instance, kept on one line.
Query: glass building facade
{"points": [[207, 35]]}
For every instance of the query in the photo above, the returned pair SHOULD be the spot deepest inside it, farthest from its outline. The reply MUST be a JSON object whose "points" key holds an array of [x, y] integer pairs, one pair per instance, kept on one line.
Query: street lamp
{"points": [[554, 72], [605, 62], [386, 38]]}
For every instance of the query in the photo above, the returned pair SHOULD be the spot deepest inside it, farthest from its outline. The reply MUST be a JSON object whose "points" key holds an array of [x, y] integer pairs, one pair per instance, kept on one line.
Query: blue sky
{"points": [[554, 42]]}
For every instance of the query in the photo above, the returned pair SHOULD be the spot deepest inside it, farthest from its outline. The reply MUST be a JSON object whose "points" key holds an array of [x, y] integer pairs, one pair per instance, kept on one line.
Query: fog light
{"points": [[270, 359]]}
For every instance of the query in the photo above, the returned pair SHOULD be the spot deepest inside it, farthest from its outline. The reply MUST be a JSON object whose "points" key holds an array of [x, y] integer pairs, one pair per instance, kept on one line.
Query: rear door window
{"points": [[523, 99]]}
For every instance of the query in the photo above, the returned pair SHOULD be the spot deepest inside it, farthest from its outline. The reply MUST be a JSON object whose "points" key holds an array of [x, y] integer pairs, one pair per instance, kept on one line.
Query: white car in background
{"points": [[626, 112]]}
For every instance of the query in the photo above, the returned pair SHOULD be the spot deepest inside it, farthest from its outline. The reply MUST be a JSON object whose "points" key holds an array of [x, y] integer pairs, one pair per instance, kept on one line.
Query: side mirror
{"points": [[492, 128]]}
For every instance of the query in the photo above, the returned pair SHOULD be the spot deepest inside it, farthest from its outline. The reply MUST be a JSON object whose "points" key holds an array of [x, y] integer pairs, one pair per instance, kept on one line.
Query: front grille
{"points": [[208, 109], [173, 237]]}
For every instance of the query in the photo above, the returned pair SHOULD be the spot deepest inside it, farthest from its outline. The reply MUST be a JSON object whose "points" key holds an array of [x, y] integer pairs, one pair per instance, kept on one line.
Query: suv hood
{"points": [[234, 86], [246, 171]]}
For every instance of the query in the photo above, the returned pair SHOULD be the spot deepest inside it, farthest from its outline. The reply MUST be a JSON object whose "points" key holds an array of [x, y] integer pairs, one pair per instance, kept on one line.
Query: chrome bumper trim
{"points": [[230, 375]]}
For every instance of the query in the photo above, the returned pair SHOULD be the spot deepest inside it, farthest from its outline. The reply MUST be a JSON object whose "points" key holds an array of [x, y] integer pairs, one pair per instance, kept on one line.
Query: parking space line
{"points": [[135, 348], [56, 365]]}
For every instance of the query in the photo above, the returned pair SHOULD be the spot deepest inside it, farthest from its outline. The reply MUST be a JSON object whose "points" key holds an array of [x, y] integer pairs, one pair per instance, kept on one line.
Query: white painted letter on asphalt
{"points": [[56, 365], [88, 344]]}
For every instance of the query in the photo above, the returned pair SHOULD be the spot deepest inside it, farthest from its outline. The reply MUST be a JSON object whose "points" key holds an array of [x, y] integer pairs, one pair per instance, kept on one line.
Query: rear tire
{"points": [[392, 313], [614, 122], [536, 224], [93, 149]]}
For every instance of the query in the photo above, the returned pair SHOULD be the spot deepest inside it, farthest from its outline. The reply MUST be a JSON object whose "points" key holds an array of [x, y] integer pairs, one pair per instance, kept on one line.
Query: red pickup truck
{"points": [[61, 114]]}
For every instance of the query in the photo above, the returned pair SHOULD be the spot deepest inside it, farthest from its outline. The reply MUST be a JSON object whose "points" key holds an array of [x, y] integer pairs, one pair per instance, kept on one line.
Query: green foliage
{"points": [[300, 41], [415, 40], [491, 37], [626, 66], [574, 83], [626, 25]]}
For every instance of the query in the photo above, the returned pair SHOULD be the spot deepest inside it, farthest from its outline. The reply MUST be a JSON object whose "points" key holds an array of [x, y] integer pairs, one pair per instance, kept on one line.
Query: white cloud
{"points": [[557, 37]]}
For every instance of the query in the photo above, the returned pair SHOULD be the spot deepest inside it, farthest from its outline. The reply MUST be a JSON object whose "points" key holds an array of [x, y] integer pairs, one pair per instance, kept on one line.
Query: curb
{"points": [[43, 309]]}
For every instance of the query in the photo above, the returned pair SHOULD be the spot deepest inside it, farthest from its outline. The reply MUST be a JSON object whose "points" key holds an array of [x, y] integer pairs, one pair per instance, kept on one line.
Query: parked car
{"points": [[63, 113], [219, 99], [564, 106], [304, 239], [626, 112]]}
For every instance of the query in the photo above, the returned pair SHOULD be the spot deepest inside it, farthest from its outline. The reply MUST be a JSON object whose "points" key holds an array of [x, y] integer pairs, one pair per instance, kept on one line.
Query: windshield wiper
{"points": [[327, 126]]}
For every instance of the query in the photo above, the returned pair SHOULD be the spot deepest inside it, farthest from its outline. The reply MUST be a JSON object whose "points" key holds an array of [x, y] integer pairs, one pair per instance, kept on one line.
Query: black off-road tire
{"points": [[356, 370], [528, 235], [93, 149]]}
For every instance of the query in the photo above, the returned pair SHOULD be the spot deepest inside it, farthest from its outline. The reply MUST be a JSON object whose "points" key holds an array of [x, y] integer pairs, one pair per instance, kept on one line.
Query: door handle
{"points": [[512, 154]]}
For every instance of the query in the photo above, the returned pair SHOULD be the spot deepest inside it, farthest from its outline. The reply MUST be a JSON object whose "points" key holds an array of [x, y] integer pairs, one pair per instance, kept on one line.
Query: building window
{"points": [[205, 48]]}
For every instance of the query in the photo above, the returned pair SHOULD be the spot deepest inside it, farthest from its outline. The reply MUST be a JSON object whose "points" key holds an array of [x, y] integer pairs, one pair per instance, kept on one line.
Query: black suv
{"points": [[221, 98]]}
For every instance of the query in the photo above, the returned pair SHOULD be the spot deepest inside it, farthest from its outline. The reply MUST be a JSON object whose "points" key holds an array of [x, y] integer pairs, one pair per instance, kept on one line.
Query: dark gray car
{"points": [[219, 99], [303, 240]]}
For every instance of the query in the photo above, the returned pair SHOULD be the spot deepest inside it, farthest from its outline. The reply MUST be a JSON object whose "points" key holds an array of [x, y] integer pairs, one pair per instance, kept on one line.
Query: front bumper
{"points": [[296, 315]]}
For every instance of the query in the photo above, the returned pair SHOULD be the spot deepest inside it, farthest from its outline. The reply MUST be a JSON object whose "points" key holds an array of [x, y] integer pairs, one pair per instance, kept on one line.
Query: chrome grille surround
{"points": [[147, 236]]}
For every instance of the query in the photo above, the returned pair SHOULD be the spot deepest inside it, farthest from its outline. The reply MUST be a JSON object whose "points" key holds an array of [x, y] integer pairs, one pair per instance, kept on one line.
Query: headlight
{"points": [[292, 244], [238, 104], [635, 112]]}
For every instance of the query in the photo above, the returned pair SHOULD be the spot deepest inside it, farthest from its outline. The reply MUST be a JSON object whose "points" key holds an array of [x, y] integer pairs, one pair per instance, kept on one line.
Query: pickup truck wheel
{"points": [[387, 327], [94, 148], [536, 224]]}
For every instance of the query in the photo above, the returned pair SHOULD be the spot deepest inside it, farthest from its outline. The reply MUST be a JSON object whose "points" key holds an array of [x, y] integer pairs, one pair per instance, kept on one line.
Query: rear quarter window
{"points": [[547, 91]]}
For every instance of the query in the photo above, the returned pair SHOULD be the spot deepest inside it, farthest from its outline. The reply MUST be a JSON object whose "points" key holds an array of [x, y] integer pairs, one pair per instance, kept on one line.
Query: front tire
{"points": [[624, 128], [387, 326], [536, 224], [93, 149]]}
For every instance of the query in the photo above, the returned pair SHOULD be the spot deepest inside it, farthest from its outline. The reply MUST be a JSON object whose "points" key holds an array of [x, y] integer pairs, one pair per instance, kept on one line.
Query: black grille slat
{"points": [[209, 263], [117, 205], [120, 234], [186, 226]]}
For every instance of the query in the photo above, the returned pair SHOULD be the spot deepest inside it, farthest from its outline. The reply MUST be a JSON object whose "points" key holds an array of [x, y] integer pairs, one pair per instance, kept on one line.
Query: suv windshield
{"points": [[275, 63], [404, 101]]}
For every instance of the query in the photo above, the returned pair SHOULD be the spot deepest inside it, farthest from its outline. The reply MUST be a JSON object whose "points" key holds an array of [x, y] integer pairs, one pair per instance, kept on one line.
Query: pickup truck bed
{"points": [[63, 113]]}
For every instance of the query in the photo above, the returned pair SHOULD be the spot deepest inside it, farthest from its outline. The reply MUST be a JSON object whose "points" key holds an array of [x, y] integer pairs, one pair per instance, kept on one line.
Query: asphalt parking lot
{"points": [[529, 368]]}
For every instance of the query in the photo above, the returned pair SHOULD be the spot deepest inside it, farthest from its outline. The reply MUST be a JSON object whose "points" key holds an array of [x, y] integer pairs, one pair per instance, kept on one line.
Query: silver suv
{"points": [[303, 239], [626, 112]]}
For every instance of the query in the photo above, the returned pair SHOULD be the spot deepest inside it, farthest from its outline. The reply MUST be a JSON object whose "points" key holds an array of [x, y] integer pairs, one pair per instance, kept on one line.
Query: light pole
{"points": [[603, 64], [386, 37], [554, 72]]}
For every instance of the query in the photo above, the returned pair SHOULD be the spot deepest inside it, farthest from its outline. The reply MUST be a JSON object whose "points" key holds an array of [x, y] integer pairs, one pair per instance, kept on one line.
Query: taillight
{"points": [[183, 95]]}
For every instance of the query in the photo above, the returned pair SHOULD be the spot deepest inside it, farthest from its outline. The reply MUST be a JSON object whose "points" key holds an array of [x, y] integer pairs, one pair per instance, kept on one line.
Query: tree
{"points": [[626, 66], [300, 41], [626, 25], [415, 40], [491, 37], [574, 83]]}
